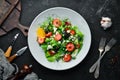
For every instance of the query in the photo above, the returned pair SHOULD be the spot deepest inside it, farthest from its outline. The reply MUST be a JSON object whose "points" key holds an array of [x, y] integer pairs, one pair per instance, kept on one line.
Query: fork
{"points": [[107, 48], [101, 49]]}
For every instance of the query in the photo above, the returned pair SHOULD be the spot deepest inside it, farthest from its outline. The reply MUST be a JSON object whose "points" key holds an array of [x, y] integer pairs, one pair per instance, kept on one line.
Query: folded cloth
{"points": [[32, 76], [6, 69]]}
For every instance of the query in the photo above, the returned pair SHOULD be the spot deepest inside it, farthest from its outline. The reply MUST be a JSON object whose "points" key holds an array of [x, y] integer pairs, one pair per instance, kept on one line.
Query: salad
{"points": [[59, 39]]}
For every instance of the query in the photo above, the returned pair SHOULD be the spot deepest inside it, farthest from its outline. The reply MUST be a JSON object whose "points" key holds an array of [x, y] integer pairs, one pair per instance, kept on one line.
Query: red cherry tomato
{"points": [[56, 22], [40, 40], [72, 32], [58, 37], [77, 45], [51, 52], [49, 34], [67, 23], [70, 47], [67, 57], [67, 29]]}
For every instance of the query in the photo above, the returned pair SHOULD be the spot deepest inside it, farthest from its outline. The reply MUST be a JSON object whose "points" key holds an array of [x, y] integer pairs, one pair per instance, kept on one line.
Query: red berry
{"points": [[67, 23], [72, 32], [49, 34], [67, 29], [67, 57], [58, 37], [51, 52], [56, 22], [77, 45], [40, 40], [70, 47]]}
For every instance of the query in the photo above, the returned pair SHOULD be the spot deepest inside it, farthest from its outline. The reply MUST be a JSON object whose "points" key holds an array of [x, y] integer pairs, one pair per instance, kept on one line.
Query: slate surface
{"points": [[92, 11]]}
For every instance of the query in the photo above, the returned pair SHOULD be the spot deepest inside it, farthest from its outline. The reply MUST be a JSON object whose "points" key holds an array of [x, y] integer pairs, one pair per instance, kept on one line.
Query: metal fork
{"points": [[107, 48], [101, 49]]}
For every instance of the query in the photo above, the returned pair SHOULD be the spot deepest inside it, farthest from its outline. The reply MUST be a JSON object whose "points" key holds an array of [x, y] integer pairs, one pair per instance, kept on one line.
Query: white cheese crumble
{"points": [[55, 29], [68, 31], [49, 47], [59, 41]]}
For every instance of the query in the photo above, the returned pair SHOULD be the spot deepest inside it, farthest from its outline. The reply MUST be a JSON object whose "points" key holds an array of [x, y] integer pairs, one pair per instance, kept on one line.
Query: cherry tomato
{"points": [[51, 52], [67, 57], [40, 40], [72, 32], [67, 23], [70, 47], [49, 34], [58, 37], [56, 22], [77, 45], [67, 29]]}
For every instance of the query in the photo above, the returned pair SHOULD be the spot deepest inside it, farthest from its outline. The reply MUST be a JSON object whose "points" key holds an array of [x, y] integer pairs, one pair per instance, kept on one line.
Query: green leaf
{"points": [[44, 47]]}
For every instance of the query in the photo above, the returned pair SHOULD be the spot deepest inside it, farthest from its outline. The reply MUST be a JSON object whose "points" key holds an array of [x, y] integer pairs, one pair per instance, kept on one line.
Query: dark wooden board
{"points": [[9, 16]]}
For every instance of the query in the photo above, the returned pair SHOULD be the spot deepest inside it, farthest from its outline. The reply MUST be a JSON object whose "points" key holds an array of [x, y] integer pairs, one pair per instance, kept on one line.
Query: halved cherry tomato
{"points": [[58, 37], [49, 34], [56, 22], [40, 40], [67, 57], [67, 23], [51, 52], [77, 45], [67, 29], [70, 47], [72, 32]]}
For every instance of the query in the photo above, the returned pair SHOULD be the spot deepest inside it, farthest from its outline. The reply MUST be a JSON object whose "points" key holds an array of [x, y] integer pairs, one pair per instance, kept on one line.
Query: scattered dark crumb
{"points": [[114, 60]]}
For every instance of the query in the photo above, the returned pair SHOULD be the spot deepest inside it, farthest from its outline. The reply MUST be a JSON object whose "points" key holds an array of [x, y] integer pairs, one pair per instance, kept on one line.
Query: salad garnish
{"points": [[59, 39]]}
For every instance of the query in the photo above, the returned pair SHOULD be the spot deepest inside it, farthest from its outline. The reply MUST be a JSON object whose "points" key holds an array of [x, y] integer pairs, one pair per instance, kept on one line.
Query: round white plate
{"points": [[76, 19]]}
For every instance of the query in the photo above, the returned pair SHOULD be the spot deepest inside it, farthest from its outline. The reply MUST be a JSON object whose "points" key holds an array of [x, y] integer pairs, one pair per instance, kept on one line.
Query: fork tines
{"points": [[102, 42], [111, 43]]}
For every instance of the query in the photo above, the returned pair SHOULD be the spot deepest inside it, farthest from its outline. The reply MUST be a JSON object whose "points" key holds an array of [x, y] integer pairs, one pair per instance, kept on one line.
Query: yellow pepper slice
{"points": [[40, 32]]}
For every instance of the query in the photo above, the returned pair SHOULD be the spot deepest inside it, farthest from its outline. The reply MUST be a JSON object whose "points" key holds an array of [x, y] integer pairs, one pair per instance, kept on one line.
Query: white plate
{"points": [[76, 19]]}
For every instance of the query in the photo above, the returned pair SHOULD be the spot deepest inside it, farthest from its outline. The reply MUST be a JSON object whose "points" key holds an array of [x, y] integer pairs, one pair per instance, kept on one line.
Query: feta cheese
{"points": [[55, 29], [59, 41], [53, 35], [67, 41], [68, 31], [57, 32], [63, 41], [49, 47], [71, 37]]}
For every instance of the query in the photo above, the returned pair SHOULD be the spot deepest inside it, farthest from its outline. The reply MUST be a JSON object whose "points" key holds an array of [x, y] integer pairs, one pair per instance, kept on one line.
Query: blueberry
{"points": [[46, 30], [66, 35], [79, 38], [56, 48]]}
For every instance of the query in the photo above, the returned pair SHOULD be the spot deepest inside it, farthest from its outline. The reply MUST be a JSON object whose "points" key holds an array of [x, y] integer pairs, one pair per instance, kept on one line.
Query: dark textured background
{"points": [[92, 11]]}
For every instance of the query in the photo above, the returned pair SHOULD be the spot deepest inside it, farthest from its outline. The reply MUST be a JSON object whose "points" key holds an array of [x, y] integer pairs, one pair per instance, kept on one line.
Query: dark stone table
{"points": [[92, 11]]}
